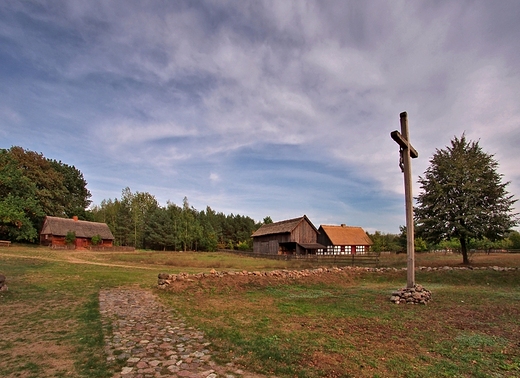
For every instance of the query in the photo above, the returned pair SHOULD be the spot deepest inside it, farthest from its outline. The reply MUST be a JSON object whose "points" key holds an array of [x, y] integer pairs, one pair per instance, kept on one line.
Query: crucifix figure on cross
{"points": [[406, 153]]}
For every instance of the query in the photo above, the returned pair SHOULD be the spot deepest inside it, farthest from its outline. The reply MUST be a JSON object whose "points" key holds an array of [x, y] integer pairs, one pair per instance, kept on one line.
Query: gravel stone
{"points": [[142, 337]]}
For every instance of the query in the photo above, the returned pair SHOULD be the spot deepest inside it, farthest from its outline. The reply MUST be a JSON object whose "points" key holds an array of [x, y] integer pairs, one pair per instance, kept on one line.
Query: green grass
{"points": [[353, 327], [51, 323], [332, 326]]}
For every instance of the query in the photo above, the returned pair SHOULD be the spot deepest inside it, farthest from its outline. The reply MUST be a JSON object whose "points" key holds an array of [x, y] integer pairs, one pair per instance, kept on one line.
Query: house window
{"points": [[348, 250], [360, 249], [337, 249], [330, 249]]}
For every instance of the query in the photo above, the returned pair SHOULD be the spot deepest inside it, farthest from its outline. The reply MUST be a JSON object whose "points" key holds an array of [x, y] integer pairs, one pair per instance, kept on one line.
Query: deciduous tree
{"points": [[463, 197], [20, 210]]}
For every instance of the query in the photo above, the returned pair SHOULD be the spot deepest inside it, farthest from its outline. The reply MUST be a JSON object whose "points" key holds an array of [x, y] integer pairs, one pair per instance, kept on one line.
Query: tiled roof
{"points": [[83, 229], [346, 235], [282, 227]]}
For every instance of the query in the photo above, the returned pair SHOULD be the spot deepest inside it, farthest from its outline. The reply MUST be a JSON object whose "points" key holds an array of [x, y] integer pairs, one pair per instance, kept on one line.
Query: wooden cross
{"points": [[407, 152]]}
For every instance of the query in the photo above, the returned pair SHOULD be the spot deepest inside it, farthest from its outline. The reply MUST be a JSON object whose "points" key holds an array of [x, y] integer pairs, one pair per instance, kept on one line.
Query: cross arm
{"points": [[396, 135]]}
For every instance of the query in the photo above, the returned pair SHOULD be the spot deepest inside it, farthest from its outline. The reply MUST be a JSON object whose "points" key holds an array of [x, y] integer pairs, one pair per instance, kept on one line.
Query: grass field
{"points": [[327, 326]]}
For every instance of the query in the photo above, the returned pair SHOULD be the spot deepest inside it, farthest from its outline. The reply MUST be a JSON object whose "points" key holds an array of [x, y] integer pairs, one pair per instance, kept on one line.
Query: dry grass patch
{"points": [[35, 339], [342, 325]]}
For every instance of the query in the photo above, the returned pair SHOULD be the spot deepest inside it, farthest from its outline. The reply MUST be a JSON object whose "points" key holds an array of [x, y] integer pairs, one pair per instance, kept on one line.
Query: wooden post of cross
{"points": [[407, 152]]}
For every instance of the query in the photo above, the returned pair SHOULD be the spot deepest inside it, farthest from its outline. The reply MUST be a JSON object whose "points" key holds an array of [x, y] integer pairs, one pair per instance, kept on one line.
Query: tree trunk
{"points": [[464, 250]]}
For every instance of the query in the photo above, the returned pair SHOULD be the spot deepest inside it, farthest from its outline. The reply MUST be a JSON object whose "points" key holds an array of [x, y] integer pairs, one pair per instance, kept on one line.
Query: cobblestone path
{"points": [[148, 341]]}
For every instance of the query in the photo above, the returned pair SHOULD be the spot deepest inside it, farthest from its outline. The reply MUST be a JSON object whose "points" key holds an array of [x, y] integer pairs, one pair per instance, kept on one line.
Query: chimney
{"points": [[75, 218]]}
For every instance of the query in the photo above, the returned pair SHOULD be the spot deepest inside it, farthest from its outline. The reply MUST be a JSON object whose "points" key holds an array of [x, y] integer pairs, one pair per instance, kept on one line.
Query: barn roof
{"points": [[83, 229], [346, 235], [282, 227]]}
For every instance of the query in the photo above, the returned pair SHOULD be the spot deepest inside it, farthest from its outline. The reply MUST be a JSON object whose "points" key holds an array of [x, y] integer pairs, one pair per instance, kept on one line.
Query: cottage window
{"points": [[360, 249], [330, 249]]}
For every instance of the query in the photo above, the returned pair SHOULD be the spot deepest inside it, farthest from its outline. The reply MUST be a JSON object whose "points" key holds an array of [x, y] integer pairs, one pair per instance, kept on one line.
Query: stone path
{"points": [[143, 339]]}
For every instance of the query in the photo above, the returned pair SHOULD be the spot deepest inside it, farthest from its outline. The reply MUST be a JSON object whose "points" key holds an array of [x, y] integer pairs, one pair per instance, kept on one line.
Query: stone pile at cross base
{"points": [[143, 339], [412, 295]]}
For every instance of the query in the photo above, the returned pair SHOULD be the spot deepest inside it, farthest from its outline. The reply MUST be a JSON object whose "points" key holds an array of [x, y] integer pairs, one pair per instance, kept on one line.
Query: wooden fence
{"points": [[111, 248], [368, 259]]}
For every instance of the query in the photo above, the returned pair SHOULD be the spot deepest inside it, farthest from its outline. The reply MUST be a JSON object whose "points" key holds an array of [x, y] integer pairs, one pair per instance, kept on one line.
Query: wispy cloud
{"points": [[260, 107]]}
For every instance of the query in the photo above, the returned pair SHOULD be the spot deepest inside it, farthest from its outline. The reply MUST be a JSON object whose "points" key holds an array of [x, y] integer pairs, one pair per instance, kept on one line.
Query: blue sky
{"points": [[278, 108]]}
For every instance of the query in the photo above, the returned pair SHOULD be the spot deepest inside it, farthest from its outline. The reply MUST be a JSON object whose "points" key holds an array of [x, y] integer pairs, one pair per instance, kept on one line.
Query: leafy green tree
{"points": [[212, 221], [50, 190], [514, 237], [420, 244], [159, 230], [137, 219], [31, 187], [15, 223], [76, 198], [451, 245], [141, 206], [20, 212], [116, 214], [208, 237], [385, 242], [174, 214], [463, 197], [189, 226]]}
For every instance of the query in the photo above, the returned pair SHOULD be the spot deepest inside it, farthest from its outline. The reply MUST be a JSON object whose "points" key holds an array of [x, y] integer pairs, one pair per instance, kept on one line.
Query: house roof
{"points": [[346, 235], [83, 229], [282, 227]]}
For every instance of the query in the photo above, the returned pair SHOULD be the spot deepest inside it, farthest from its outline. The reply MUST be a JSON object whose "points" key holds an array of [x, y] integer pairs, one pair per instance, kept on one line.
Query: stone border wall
{"points": [[165, 279]]}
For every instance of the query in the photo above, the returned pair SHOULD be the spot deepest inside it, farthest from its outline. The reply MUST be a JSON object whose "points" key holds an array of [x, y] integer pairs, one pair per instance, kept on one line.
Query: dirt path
{"points": [[75, 260]]}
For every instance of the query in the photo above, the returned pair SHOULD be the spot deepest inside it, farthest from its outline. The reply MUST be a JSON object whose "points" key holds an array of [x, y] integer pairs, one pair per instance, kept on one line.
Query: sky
{"points": [[260, 108]]}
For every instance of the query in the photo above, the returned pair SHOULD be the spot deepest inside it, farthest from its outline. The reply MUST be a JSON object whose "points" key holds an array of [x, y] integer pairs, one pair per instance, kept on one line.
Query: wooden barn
{"points": [[55, 230], [344, 240], [292, 236]]}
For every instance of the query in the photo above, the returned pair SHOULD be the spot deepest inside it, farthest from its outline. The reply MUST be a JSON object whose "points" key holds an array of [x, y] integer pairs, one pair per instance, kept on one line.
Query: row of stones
{"points": [[165, 279]]}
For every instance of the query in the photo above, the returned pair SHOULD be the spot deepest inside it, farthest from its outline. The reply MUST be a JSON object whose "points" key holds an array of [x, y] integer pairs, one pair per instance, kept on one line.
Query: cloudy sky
{"points": [[278, 108]]}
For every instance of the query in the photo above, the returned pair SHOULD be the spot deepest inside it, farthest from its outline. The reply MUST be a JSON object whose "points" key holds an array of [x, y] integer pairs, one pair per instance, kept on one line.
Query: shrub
{"points": [[243, 246], [70, 238], [96, 239]]}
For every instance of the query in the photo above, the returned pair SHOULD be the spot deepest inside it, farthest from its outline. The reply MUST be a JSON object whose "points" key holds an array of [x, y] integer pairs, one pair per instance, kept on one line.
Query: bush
{"points": [[70, 238], [243, 246], [96, 240]]}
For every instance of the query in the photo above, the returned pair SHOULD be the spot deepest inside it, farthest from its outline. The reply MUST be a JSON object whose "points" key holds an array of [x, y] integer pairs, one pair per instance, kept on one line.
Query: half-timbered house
{"points": [[344, 240]]}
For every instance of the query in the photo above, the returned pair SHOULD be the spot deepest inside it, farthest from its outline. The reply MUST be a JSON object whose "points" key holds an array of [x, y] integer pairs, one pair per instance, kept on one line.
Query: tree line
{"points": [[33, 186], [387, 242], [463, 205], [137, 219]]}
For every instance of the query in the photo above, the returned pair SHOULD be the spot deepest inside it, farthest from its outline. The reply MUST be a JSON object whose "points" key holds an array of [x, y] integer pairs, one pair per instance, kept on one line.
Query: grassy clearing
{"points": [[332, 326], [344, 325], [50, 319]]}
